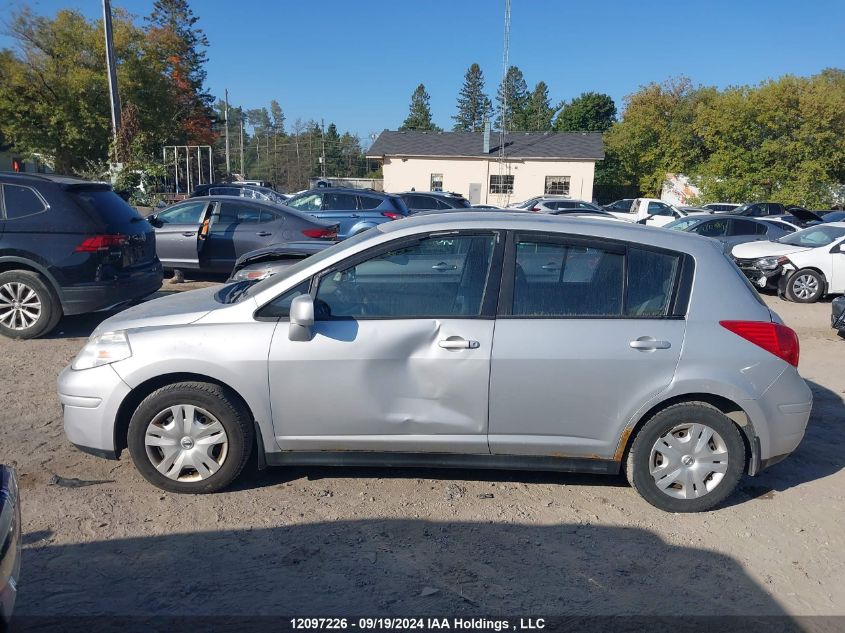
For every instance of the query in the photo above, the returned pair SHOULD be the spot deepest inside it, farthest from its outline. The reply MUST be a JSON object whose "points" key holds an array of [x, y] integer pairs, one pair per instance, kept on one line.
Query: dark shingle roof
{"points": [[572, 145]]}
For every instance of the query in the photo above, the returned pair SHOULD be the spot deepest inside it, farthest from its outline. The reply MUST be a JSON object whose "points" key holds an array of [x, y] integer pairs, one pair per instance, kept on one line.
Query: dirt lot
{"points": [[100, 540]]}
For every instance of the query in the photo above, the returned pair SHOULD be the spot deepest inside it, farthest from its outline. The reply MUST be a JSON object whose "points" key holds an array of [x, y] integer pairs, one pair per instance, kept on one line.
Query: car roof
{"points": [[59, 179], [445, 194], [352, 190]]}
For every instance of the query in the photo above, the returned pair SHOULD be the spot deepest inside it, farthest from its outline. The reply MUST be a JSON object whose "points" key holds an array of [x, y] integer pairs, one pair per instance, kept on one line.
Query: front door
{"points": [[577, 350], [177, 234], [399, 359]]}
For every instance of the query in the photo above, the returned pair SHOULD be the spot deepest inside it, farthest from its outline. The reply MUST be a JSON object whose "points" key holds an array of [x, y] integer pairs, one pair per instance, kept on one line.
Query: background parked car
{"points": [[834, 216], [527, 204], [837, 314], [731, 230], [620, 206], [723, 207], [68, 246], [210, 233], [354, 210], [652, 212], [558, 205], [804, 266], [10, 542], [433, 201], [272, 260], [241, 190]]}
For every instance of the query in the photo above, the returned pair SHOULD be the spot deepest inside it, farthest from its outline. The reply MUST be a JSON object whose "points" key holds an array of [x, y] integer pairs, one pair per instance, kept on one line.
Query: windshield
{"points": [[235, 295], [814, 237]]}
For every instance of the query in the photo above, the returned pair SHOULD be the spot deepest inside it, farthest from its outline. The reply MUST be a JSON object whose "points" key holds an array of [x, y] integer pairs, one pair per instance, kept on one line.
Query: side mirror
{"points": [[153, 219], [301, 318]]}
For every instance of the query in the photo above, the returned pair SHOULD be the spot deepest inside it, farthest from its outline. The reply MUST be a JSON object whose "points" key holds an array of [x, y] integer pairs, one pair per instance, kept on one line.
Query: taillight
{"points": [[535, 209], [775, 338], [322, 234], [391, 214], [100, 243]]}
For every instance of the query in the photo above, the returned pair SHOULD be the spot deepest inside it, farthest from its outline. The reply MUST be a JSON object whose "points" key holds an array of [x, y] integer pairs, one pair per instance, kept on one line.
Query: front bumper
{"points": [[90, 401], [94, 297], [10, 541], [766, 279]]}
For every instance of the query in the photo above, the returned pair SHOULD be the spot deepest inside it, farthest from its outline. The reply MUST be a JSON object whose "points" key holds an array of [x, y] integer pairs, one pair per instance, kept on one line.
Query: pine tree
{"points": [[419, 116], [516, 90], [182, 46], [474, 107], [538, 111]]}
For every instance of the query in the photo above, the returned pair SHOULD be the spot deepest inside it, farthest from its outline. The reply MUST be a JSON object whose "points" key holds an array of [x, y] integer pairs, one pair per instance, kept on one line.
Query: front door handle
{"points": [[190, 233], [649, 343], [264, 234], [550, 266], [458, 343], [444, 266]]}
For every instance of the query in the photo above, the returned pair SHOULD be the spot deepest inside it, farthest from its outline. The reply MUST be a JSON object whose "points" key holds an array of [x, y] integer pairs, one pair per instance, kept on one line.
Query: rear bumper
{"points": [[90, 401], [94, 297], [10, 542]]}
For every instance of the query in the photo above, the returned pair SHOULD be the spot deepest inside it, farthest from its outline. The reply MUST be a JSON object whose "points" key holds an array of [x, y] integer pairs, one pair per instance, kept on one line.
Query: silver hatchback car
{"points": [[489, 340]]}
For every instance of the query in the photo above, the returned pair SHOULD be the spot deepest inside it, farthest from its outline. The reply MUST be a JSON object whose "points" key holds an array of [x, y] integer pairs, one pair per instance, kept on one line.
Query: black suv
{"points": [[354, 210], [434, 200], [68, 246]]}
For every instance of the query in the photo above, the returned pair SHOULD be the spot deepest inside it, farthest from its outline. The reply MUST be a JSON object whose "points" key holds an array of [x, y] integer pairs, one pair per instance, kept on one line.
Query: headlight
{"points": [[251, 274], [106, 348], [770, 263]]}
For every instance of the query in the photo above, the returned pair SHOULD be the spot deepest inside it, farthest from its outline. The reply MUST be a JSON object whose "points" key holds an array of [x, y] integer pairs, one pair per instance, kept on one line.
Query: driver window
{"points": [[435, 277], [188, 213]]}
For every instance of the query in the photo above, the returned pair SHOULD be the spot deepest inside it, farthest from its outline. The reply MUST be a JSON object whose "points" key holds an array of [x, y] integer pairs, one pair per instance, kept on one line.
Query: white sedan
{"points": [[805, 265]]}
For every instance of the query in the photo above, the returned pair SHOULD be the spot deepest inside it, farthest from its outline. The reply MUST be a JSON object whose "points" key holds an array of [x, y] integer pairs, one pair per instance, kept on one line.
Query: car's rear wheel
{"points": [[28, 307], [191, 437], [805, 286], [687, 458]]}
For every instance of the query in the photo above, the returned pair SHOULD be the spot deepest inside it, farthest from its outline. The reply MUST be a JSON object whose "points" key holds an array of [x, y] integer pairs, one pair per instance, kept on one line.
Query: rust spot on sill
{"points": [[623, 442], [568, 456]]}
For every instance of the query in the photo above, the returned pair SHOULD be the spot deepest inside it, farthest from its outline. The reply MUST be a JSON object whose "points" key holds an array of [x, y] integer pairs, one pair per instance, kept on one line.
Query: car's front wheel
{"points": [[191, 437], [687, 458], [805, 286]]}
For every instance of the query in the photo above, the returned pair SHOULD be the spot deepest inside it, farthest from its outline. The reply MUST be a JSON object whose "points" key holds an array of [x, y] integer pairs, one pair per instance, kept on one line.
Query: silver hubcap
{"points": [[186, 443], [688, 461], [20, 307], [805, 286]]}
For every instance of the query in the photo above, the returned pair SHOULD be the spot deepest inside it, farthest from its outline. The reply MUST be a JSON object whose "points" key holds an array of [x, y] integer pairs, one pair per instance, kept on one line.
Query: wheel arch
{"points": [[731, 409], [137, 395], [8, 263]]}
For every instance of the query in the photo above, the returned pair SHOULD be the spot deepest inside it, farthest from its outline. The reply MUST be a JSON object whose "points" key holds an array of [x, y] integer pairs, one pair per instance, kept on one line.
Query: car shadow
{"points": [[819, 454], [392, 567]]}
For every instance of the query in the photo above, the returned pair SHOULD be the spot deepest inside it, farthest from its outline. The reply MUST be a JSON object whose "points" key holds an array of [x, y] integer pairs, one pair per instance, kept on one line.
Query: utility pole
{"points": [[112, 72], [226, 118], [323, 157], [243, 175]]}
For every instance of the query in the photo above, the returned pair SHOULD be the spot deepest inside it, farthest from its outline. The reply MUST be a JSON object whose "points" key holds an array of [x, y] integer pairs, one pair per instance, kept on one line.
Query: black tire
{"points": [[220, 403], [49, 308], [638, 462], [803, 281]]}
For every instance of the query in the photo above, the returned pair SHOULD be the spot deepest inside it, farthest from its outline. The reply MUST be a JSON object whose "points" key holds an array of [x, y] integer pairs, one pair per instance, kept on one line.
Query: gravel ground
{"points": [[100, 540]]}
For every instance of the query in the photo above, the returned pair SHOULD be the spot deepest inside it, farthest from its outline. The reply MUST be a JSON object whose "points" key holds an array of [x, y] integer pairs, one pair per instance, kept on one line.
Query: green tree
{"points": [[512, 99], [419, 115], [182, 46], [538, 109], [474, 107], [589, 112]]}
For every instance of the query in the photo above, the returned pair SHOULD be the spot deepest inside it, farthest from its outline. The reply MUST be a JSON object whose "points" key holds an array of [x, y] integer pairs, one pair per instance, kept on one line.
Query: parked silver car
{"points": [[496, 340]]}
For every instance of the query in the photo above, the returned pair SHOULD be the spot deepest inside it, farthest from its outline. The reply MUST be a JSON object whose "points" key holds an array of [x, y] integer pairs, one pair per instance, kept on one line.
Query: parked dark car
{"points": [[837, 314], [272, 260], [210, 233], [10, 543], [355, 210], [68, 246], [433, 201], [834, 216], [731, 230], [240, 190], [620, 206]]}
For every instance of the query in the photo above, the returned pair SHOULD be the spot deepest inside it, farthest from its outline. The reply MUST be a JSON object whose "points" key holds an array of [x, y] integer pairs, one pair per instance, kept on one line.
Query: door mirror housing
{"points": [[153, 220], [301, 318]]}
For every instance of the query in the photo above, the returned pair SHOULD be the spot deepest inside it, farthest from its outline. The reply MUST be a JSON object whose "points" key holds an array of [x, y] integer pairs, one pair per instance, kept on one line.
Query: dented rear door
{"points": [[399, 358]]}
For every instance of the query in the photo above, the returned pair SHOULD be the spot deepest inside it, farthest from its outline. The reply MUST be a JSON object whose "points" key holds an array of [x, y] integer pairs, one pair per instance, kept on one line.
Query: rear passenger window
{"points": [[567, 280], [747, 227], [561, 280], [339, 202], [366, 202], [21, 202], [651, 279]]}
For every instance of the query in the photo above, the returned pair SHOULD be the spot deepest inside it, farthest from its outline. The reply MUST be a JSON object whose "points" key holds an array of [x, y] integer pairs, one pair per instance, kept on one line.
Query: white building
{"points": [[535, 163]]}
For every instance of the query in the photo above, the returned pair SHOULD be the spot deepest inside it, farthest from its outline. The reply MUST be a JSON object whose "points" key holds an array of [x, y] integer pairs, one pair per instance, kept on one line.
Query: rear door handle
{"points": [[264, 234], [649, 343], [550, 267], [458, 343], [444, 266]]}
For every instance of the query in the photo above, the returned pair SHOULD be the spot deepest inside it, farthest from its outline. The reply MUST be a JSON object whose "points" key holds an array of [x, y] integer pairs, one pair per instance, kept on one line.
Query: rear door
{"points": [[586, 334], [177, 237]]}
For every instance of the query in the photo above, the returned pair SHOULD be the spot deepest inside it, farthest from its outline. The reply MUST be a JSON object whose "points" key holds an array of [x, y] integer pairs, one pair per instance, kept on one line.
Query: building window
{"points": [[436, 182], [557, 186], [501, 184]]}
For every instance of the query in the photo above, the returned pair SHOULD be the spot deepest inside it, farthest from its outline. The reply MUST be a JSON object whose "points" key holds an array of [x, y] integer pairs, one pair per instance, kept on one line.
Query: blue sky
{"points": [[357, 63]]}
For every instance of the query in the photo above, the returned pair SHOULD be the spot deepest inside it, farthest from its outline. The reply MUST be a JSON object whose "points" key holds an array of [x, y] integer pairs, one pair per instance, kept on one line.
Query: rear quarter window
{"points": [[21, 202]]}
